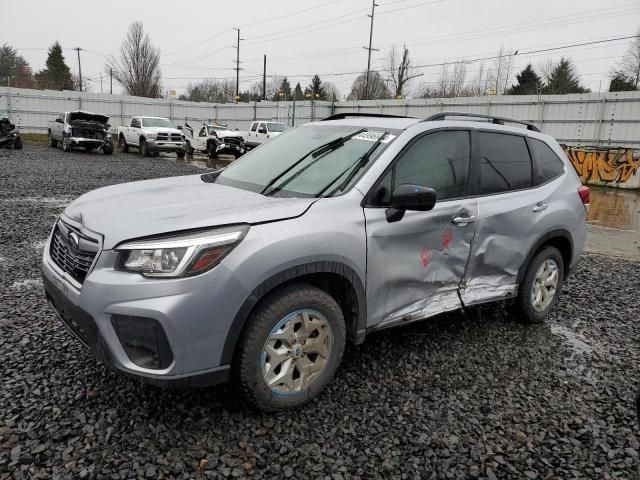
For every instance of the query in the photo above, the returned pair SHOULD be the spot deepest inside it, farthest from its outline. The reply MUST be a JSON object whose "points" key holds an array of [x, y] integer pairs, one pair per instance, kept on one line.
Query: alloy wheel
{"points": [[545, 284], [296, 352]]}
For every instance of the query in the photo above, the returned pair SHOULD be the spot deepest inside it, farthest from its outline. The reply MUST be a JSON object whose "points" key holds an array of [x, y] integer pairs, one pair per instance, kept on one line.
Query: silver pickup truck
{"points": [[80, 129]]}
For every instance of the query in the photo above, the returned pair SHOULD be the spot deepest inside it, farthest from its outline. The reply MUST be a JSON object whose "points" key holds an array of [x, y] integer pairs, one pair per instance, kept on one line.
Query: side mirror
{"points": [[410, 197], [58, 120], [107, 126], [179, 127]]}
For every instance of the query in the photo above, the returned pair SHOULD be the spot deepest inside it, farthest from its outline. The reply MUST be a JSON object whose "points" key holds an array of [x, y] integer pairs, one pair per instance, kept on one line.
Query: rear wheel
{"points": [[540, 288], [122, 144], [66, 144], [290, 348], [50, 141]]}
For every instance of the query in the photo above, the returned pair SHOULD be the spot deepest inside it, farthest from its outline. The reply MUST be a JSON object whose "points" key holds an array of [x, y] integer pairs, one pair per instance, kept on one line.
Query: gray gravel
{"points": [[461, 396]]}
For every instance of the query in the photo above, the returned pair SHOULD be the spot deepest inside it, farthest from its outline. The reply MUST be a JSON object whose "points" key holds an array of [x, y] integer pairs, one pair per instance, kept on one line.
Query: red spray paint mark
{"points": [[447, 237], [424, 256]]}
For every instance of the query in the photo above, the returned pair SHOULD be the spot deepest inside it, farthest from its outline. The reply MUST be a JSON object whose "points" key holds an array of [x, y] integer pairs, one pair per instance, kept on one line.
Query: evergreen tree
{"points": [[56, 75], [14, 69], [564, 79], [298, 94], [529, 83], [283, 91], [620, 83], [315, 90]]}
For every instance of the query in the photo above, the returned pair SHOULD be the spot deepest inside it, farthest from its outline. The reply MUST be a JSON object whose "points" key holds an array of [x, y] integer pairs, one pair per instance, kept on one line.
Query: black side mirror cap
{"points": [[410, 197]]}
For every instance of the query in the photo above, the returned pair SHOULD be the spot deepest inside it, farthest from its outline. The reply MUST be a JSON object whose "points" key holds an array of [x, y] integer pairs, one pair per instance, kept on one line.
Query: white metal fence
{"points": [[610, 119]]}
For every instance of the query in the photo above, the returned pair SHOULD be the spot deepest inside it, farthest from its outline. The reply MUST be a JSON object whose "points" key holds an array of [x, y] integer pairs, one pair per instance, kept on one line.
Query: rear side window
{"points": [[504, 163], [546, 164], [254, 126]]}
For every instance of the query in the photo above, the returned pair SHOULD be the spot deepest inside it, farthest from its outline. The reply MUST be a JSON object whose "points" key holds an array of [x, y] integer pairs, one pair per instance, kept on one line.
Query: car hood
{"points": [[153, 207], [229, 134], [87, 117], [161, 130]]}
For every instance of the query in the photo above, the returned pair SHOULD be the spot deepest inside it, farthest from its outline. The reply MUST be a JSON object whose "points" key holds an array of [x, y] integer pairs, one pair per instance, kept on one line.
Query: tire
{"points": [[526, 309], [122, 144], [66, 144], [285, 306], [143, 149], [180, 153], [17, 144], [50, 141], [211, 151], [107, 149], [190, 149]]}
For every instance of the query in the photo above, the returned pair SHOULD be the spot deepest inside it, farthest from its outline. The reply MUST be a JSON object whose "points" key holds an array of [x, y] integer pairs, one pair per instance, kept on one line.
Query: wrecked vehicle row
{"points": [[9, 133]]}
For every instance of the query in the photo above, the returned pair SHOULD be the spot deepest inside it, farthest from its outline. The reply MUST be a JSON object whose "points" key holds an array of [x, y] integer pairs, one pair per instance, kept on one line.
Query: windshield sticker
{"points": [[374, 136]]}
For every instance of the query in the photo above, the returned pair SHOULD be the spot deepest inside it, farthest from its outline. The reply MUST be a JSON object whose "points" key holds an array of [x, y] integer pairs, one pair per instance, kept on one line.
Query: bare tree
{"points": [[138, 67], [450, 83], [378, 89], [501, 72], [545, 68], [479, 84], [400, 70], [630, 65], [331, 90], [213, 91]]}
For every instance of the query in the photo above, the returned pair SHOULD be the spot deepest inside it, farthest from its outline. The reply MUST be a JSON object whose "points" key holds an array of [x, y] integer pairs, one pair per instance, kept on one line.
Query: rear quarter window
{"points": [[504, 163], [546, 164]]}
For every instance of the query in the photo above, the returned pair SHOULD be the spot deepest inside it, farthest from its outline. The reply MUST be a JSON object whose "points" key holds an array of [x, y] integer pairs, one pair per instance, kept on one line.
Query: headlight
{"points": [[179, 256], [150, 135]]}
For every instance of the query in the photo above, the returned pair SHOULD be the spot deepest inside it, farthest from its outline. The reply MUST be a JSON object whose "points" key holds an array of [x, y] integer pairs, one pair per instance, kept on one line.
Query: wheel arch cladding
{"points": [[337, 279], [560, 239]]}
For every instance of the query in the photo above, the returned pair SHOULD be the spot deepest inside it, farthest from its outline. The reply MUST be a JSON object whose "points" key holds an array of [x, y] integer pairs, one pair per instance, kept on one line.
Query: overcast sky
{"points": [[324, 37]]}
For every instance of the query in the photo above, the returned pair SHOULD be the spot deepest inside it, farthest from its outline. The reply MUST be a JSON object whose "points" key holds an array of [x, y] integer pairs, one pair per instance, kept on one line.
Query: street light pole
{"points": [[77, 49], [366, 85]]}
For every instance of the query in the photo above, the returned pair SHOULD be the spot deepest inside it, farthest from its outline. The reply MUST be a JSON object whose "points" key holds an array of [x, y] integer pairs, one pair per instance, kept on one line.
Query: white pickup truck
{"points": [[151, 135], [214, 140], [80, 129], [263, 130]]}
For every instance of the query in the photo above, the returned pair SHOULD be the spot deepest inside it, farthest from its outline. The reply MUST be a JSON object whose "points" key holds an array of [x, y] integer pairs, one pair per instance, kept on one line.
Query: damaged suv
{"points": [[80, 129], [262, 271]]}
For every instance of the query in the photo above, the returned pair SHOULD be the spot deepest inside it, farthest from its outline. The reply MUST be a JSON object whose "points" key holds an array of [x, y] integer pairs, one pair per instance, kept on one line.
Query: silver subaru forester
{"points": [[262, 271]]}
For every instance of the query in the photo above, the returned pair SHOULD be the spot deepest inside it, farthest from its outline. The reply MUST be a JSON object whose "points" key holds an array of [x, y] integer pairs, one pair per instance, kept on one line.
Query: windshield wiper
{"points": [[358, 164], [315, 153]]}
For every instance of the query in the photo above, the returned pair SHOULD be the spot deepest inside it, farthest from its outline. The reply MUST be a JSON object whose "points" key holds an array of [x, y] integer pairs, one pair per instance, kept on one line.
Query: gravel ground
{"points": [[461, 396]]}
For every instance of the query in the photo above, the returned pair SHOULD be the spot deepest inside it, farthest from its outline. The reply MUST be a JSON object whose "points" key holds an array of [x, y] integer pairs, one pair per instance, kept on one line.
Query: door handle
{"points": [[540, 207], [463, 220]]}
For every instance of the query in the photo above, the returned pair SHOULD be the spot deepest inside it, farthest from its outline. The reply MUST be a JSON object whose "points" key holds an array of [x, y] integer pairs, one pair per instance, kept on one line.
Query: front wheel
{"points": [[290, 348], [180, 153], [17, 144], [540, 288], [211, 151], [144, 151], [190, 149], [108, 148]]}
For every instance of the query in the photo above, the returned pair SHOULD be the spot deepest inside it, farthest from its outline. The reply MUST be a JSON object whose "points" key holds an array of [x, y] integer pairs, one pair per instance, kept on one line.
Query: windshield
{"points": [[277, 127], [298, 170], [155, 122], [220, 129]]}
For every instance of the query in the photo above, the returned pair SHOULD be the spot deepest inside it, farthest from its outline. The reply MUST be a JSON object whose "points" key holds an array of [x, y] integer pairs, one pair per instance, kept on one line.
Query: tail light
{"points": [[585, 195]]}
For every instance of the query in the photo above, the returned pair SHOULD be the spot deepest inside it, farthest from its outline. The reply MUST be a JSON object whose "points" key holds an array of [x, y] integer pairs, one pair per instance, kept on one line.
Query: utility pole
{"points": [[111, 81], [366, 85], [264, 79], [77, 49], [237, 69]]}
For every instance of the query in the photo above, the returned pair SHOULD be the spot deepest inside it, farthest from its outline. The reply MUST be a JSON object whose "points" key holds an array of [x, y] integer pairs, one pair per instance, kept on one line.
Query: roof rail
{"points": [[342, 116], [492, 118]]}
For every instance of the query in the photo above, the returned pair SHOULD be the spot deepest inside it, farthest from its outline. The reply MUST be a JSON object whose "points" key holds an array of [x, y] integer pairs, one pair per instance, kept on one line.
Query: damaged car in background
{"points": [[214, 140], [80, 129], [261, 272], [9, 133]]}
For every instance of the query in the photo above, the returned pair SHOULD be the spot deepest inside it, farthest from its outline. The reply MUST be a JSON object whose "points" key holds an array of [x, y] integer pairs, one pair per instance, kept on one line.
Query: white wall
{"points": [[610, 119]]}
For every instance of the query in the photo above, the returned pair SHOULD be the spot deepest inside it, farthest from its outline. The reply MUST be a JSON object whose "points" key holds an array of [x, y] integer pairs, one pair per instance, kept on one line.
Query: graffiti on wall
{"points": [[603, 166]]}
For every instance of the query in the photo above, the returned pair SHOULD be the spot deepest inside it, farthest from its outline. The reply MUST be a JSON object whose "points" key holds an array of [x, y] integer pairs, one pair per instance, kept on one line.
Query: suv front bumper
{"points": [[193, 314]]}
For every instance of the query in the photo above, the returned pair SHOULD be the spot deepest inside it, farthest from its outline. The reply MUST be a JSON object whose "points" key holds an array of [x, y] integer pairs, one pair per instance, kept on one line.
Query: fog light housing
{"points": [[144, 341]]}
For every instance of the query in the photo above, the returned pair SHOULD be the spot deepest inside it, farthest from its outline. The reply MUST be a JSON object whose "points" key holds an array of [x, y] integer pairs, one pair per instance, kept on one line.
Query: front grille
{"points": [[74, 258], [176, 137], [232, 141], [88, 133], [163, 137]]}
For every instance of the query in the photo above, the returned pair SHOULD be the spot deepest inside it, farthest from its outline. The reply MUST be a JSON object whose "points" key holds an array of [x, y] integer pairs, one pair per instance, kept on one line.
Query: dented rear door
{"points": [[415, 265]]}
